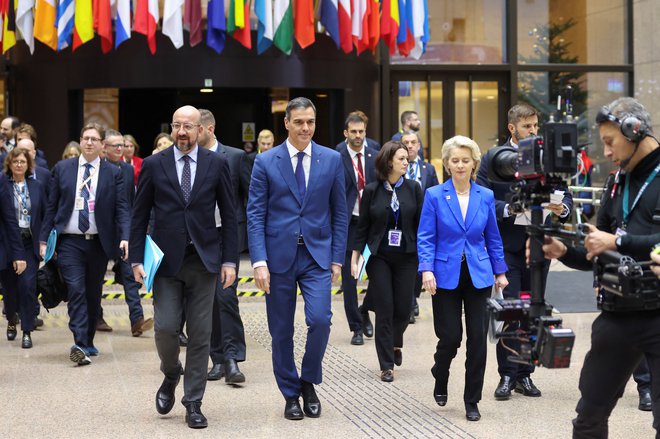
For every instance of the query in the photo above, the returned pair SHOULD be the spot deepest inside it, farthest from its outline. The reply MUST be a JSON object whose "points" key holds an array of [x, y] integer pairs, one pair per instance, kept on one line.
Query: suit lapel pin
{"points": [[448, 197]]}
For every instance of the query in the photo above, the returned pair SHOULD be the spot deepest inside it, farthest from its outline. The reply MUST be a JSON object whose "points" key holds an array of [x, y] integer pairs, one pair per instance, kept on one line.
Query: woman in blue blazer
{"points": [[28, 201], [460, 256]]}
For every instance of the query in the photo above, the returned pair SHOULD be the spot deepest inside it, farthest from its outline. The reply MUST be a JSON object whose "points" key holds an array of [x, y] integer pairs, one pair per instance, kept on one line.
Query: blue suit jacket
{"points": [[11, 246], [443, 236], [38, 202], [277, 215], [111, 208], [159, 190], [350, 181], [429, 177]]}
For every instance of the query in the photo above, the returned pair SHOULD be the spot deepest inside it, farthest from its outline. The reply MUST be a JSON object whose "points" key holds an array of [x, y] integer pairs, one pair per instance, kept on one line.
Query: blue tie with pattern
{"points": [[300, 175], [83, 214]]}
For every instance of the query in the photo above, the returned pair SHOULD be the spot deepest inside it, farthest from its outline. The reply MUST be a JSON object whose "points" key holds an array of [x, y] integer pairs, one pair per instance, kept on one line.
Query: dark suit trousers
{"points": [[83, 264], [131, 292], [519, 277], [196, 286], [447, 311], [349, 284], [642, 376], [228, 334], [315, 284], [391, 283], [20, 292]]}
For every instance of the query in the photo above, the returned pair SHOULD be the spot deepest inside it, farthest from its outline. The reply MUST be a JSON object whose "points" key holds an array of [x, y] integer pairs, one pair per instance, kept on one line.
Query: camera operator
{"points": [[523, 122], [624, 332]]}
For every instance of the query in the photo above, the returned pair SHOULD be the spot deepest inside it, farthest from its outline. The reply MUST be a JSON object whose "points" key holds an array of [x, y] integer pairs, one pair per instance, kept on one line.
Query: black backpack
{"points": [[50, 285]]}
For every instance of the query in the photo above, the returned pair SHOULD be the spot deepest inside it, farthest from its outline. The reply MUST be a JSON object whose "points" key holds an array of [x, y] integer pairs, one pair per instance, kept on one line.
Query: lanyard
{"points": [[626, 210], [88, 181], [22, 197], [359, 175]]}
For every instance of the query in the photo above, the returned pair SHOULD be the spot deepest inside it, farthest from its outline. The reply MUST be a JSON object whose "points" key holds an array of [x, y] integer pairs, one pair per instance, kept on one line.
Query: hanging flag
{"points": [[173, 22], [374, 24], [330, 19], [238, 22], [25, 22], [389, 23], [83, 28], [192, 21], [215, 25], [283, 25], [358, 13], [44, 23], [122, 22], [102, 10], [345, 25], [303, 22], [363, 42], [8, 25], [65, 11], [417, 19], [145, 21], [264, 12], [405, 40]]}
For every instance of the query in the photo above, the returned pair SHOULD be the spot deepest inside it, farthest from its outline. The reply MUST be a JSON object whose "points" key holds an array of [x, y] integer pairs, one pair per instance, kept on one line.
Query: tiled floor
{"points": [[47, 396]]}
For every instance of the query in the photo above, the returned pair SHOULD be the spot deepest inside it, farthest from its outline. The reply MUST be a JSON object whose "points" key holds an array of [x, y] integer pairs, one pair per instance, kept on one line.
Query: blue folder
{"points": [[153, 256], [365, 257], [50, 245]]}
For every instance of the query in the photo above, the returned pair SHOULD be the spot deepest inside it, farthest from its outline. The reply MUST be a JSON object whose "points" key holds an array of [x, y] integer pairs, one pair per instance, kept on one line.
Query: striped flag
{"points": [[283, 25], [303, 22], [8, 13], [264, 12], [65, 11], [419, 24], [389, 23], [405, 39], [330, 19], [83, 27], [345, 26], [25, 22], [238, 22], [44, 23], [192, 20], [103, 23], [173, 22], [145, 21], [215, 25], [122, 22]]}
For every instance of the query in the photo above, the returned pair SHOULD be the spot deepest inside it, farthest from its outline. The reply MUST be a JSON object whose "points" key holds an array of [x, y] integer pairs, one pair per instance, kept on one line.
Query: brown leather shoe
{"points": [[102, 325], [141, 326]]}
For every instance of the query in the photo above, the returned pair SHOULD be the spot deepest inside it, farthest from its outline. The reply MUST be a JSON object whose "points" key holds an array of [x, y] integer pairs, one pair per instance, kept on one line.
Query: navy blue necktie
{"points": [[185, 178], [300, 175], [83, 214]]}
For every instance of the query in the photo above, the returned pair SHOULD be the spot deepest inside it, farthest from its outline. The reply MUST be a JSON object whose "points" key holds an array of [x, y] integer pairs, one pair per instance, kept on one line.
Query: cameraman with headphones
{"points": [[625, 331]]}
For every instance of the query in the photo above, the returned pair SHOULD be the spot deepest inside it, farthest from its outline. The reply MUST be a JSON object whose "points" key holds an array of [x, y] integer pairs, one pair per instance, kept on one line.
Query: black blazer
{"points": [[239, 170], [375, 213], [350, 182]]}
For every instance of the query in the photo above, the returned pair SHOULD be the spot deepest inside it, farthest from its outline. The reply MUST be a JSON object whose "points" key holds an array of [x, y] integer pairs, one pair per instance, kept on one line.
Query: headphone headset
{"points": [[631, 127]]}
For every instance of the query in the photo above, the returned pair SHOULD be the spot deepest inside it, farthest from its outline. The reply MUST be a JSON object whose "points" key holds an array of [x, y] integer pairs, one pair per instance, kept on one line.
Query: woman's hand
{"points": [[501, 282], [428, 281], [354, 264]]}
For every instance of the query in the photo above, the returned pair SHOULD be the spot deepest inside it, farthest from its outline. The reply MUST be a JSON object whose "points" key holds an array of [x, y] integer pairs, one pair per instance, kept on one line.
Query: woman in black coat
{"points": [[389, 215]]}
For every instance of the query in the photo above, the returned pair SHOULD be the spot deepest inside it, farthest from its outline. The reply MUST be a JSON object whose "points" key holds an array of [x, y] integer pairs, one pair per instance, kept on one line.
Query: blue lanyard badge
{"points": [[626, 195]]}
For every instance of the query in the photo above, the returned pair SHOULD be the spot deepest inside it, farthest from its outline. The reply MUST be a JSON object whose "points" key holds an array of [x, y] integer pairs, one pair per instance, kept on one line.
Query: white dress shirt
{"points": [[92, 185], [353, 154]]}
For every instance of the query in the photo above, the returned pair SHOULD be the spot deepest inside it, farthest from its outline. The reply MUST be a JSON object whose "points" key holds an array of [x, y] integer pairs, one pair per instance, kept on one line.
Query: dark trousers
{"points": [[349, 284], [519, 277], [20, 292], [618, 342], [447, 311], [315, 284], [391, 283], [131, 291], [642, 376], [228, 334], [83, 264], [195, 285]]}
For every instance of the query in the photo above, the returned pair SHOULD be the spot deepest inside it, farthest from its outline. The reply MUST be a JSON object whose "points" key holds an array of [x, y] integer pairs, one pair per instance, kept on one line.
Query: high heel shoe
{"points": [[472, 411], [11, 331], [440, 393], [27, 341]]}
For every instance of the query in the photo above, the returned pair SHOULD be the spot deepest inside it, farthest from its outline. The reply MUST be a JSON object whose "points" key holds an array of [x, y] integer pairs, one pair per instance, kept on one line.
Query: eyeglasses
{"points": [[19, 162], [90, 139], [115, 145], [176, 126]]}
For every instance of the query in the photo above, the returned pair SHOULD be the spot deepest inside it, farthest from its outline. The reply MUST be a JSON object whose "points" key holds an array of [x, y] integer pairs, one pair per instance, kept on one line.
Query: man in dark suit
{"points": [[368, 142], [27, 131], [297, 235], [228, 334], [182, 185], [523, 122], [87, 207], [359, 170], [113, 144], [410, 122], [39, 173]]}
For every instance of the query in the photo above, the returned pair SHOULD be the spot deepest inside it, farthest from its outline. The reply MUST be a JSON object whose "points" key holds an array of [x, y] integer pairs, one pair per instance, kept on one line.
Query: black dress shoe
{"points": [[503, 391], [183, 340], [311, 403], [440, 393], [233, 374], [367, 326], [357, 339], [387, 376], [416, 309], [472, 411], [26, 343], [645, 402], [194, 416], [165, 395], [398, 356], [38, 323], [527, 387], [411, 320], [292, 410], [11, 331], [216, 372]]}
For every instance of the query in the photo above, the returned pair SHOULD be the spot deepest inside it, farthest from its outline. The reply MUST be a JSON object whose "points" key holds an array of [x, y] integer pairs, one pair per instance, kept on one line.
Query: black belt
{"points": [[300, 240], [85, 236]]}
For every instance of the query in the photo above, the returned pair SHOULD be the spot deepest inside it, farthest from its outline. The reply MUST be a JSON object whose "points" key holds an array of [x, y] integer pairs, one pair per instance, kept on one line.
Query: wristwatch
{"points": [[617, 242]]}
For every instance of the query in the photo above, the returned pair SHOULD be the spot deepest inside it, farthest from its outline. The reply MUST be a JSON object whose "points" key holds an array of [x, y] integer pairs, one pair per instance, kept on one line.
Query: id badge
{"points": [[394, 238], [90, 205], [79, 203], [620, 232]]}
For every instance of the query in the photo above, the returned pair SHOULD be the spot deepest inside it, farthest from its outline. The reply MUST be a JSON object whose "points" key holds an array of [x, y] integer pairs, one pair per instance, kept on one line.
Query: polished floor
{"points": [[47, 396]]}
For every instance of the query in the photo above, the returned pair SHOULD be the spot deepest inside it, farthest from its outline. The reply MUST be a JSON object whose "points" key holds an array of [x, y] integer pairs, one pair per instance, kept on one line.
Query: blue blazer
{"points": [[11, 246], [111, 209], [277, 215], [350, 181], [443, 237], [38, 202], [159, 190]]}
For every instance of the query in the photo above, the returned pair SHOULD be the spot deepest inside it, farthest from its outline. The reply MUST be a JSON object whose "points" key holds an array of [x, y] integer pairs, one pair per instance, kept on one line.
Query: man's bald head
{"points": [[28, 144]]}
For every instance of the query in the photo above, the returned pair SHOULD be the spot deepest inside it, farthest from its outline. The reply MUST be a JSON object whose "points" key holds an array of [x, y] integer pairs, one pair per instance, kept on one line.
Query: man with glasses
{"points": [[87, 207], [182, 186]]}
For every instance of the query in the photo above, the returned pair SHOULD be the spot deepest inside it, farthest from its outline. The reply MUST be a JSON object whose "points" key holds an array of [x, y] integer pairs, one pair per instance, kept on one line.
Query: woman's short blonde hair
{"points": [[461, 142]]}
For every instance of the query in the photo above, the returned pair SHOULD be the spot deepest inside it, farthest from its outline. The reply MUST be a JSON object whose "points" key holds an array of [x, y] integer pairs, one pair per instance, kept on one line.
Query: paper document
{"points": [[525, 219], [153, 256]]}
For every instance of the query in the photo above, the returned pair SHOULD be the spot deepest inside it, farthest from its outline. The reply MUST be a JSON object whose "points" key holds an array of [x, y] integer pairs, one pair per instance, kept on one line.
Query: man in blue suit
{"points": [[88, 209], [359, 170], [297, 225], [182, 186]]}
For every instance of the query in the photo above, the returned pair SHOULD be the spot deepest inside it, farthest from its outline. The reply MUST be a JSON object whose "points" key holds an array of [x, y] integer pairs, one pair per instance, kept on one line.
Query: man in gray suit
{"points": [[228, 334]]}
